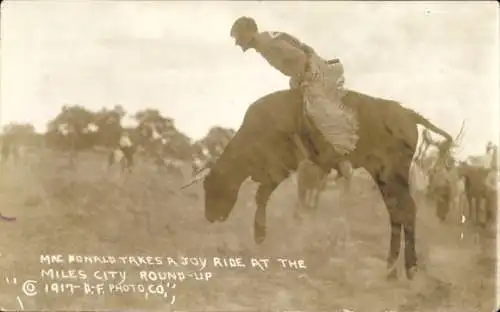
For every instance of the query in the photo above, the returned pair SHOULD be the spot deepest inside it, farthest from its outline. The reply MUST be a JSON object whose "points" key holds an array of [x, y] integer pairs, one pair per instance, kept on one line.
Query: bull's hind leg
{"points": [[394, 249], [402, 214], [409, 224], [394, 185]]}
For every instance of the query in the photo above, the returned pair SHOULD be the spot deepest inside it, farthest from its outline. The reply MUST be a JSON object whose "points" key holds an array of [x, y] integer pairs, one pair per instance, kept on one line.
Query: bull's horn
{"points": [[199, 176]]}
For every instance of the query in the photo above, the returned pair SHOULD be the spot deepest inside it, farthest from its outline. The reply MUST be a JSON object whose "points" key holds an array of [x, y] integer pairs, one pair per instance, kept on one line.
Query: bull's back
{"points": [[385, 127], [380, 119], [276, 112], [270, 122]]}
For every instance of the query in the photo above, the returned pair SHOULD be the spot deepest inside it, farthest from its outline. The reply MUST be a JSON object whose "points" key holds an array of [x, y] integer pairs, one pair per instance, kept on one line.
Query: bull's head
{"points": [[221, 191]]}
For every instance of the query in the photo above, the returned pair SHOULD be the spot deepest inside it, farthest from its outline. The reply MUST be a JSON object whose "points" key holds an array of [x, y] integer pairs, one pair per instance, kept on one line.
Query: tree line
{"points": [[76, 128]]}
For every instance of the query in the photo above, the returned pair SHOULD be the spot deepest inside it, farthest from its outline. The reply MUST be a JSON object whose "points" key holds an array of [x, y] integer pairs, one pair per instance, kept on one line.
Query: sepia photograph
{"points": [[249, 156]]}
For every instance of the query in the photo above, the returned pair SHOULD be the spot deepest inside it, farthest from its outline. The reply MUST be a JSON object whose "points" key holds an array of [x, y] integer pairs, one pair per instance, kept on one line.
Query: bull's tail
{"points": [[421, 120]]}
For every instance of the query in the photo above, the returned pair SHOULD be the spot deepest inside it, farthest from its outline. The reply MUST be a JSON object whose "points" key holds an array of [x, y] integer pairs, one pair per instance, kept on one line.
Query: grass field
{"points": [[344, 245]]}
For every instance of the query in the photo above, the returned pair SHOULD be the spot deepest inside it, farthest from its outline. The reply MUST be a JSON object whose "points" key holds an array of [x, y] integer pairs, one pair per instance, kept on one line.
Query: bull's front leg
{"points": [[262, 198]]}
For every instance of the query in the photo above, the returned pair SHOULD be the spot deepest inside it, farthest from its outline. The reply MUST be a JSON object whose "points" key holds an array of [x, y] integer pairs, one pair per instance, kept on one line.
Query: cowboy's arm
{"points": [[291, 40], [292, 52]]}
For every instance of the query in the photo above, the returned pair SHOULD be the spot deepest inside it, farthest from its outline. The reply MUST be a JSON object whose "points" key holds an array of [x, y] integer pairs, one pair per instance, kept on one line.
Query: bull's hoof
{"points": [[259, 239], [259, 233], [297, 216], [392, 275], [411, 272]]}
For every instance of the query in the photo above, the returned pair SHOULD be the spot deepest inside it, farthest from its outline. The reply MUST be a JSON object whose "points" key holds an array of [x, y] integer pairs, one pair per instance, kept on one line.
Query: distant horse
{"points": [[480, 179]]}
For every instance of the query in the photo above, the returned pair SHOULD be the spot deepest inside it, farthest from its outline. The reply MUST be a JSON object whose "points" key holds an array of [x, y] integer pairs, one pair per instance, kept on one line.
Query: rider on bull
{"points": [[320, 81]]}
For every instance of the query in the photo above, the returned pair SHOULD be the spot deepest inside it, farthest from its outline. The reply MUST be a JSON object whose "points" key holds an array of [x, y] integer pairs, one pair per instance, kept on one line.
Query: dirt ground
{"points": [[344, 247]]}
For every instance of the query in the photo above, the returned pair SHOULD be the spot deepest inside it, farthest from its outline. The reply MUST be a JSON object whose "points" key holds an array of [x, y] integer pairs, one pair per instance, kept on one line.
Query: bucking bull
{"points": [[264, 148]]}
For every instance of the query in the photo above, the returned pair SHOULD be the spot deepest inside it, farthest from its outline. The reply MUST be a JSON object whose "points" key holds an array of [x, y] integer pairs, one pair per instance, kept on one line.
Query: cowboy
{"points": [[127, 148], [321, 83]]}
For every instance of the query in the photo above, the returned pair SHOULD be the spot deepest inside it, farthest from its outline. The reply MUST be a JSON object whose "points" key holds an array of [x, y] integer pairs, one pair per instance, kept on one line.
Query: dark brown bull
{"points": [[478, 192], [264, 149]]}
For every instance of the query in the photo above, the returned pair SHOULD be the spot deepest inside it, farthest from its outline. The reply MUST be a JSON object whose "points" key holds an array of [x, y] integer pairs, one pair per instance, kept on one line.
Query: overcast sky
{"points": [[440, 59]]}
